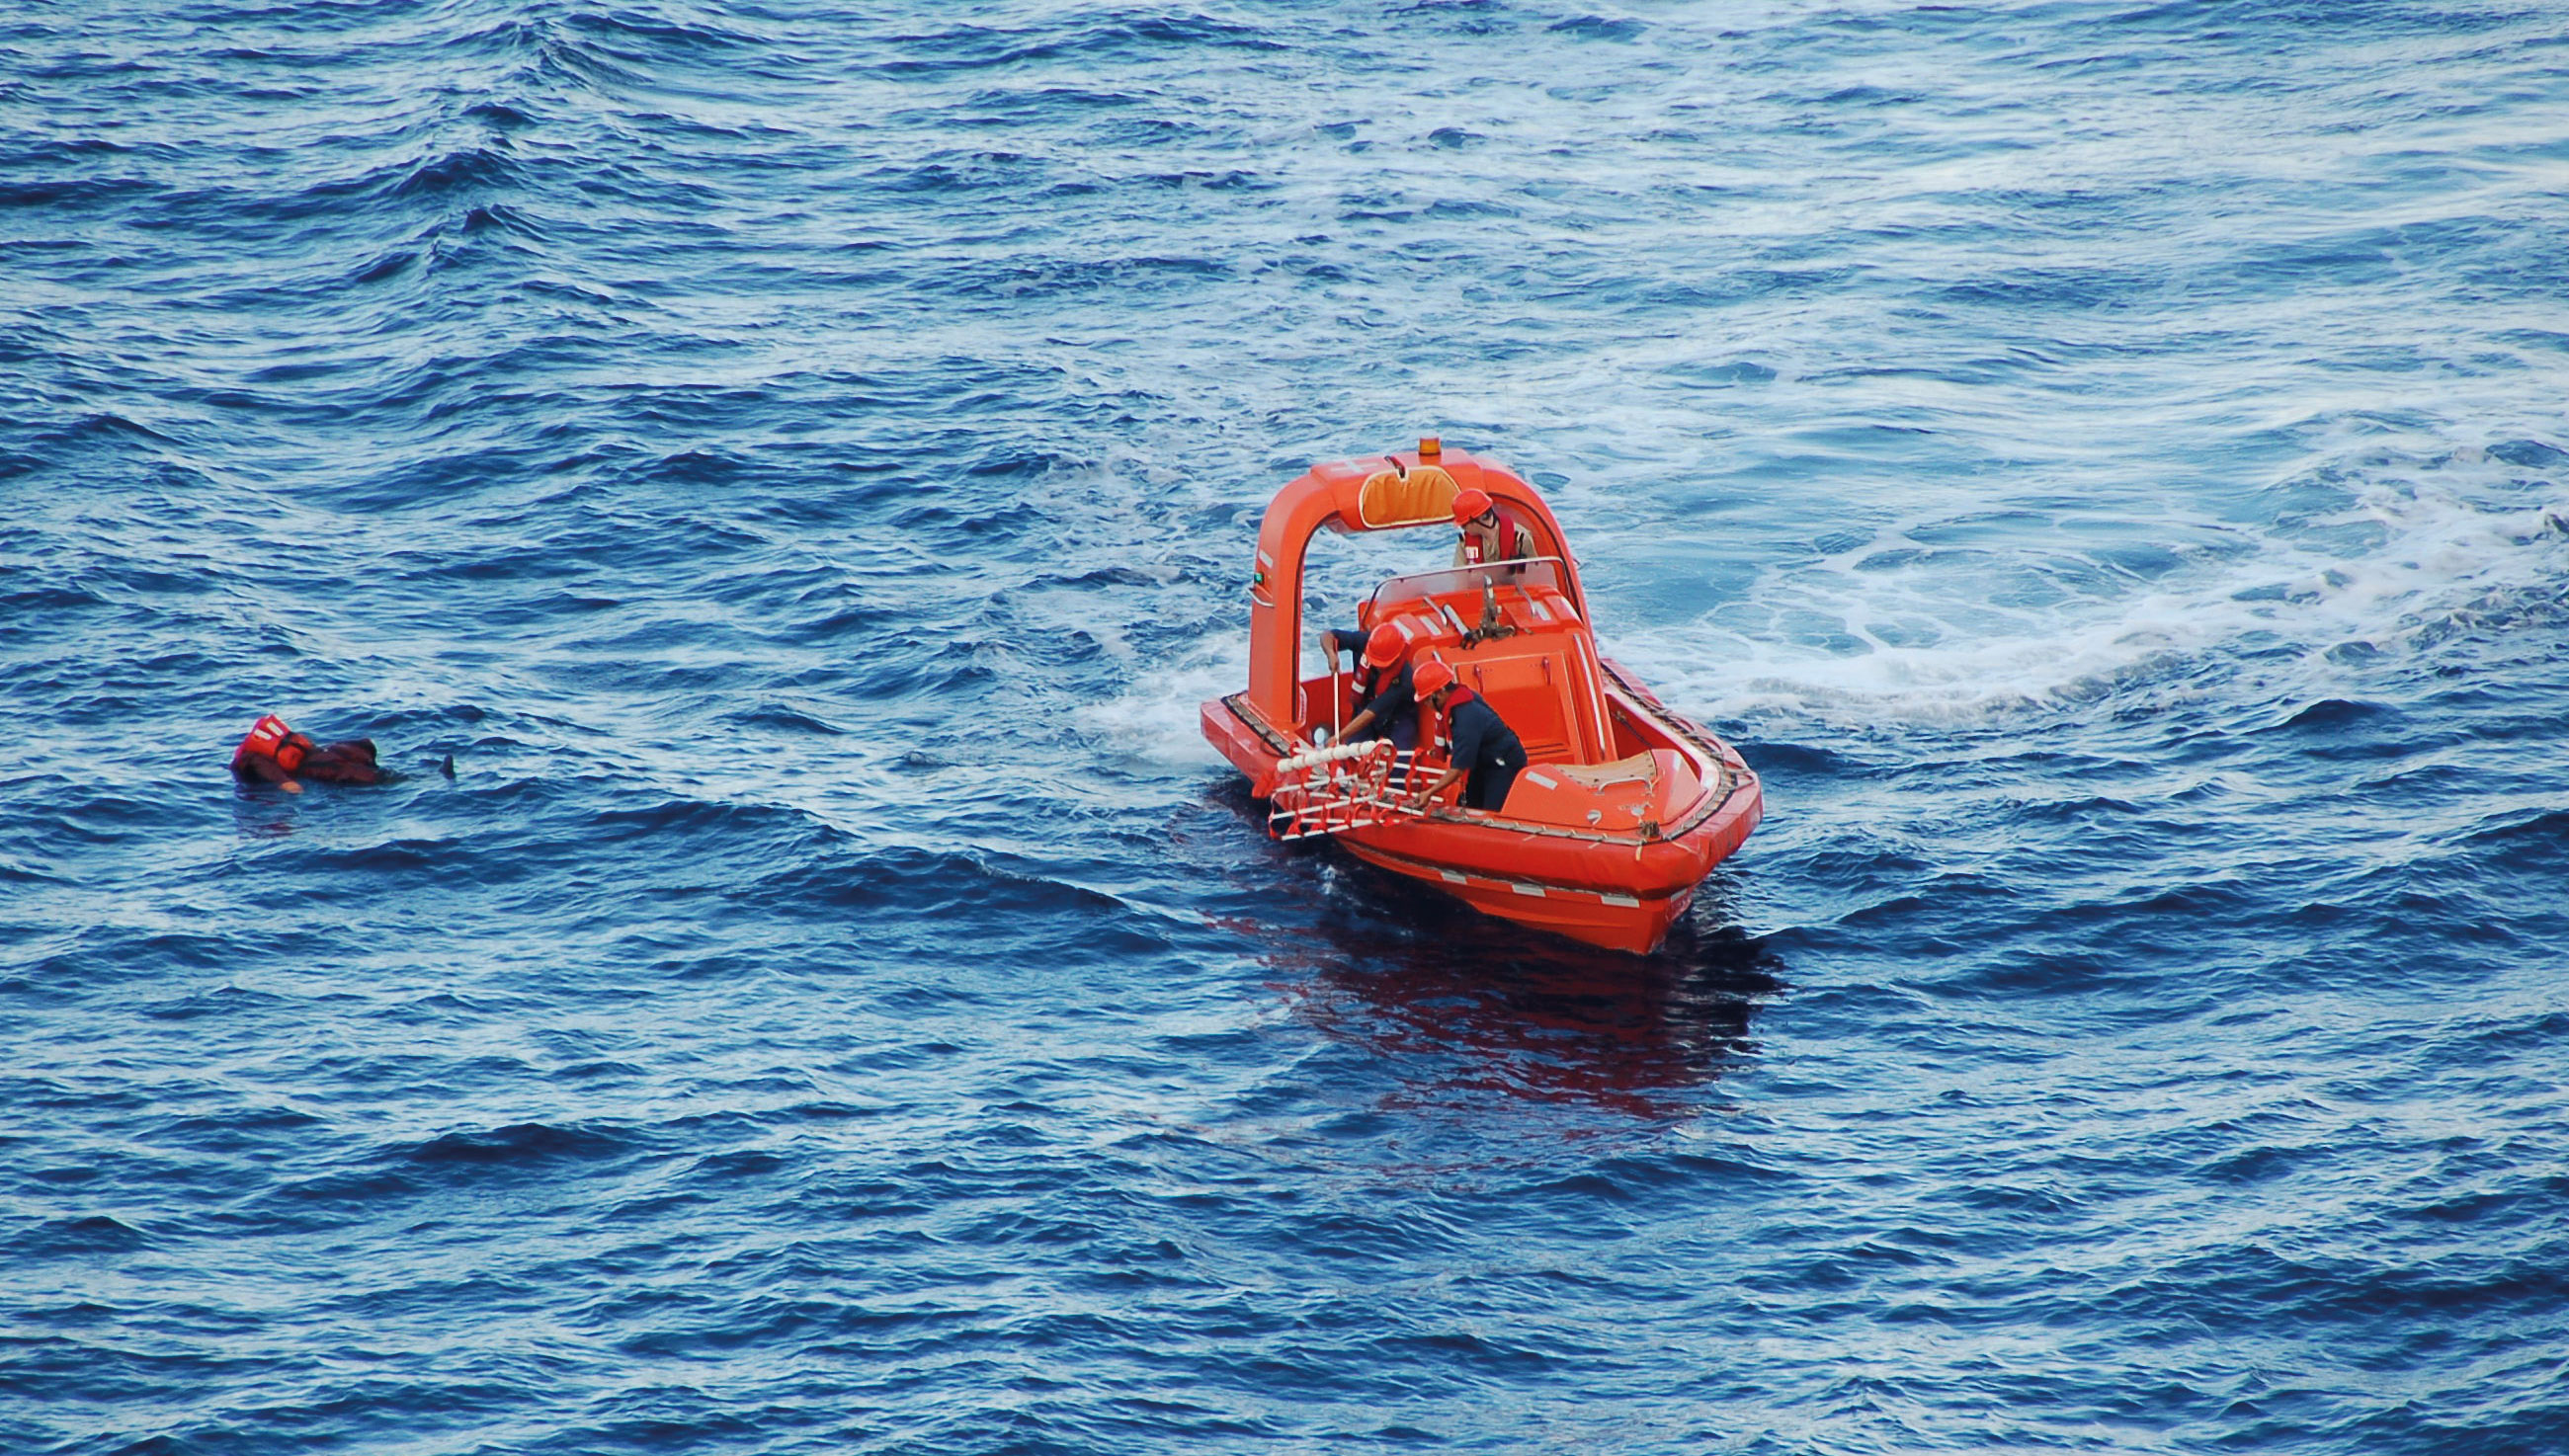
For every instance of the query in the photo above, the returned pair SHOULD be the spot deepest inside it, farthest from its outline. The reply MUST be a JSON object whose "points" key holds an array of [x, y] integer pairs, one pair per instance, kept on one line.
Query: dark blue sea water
{"points": [[2102, 462]]}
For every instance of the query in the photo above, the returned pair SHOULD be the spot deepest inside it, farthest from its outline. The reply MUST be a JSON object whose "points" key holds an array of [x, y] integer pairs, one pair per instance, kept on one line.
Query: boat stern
{"points": [[1236, 732]]}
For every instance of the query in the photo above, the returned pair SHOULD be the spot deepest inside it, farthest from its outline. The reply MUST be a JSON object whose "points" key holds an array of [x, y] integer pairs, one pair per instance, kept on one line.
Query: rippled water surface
{"points": [[2102, 462]]}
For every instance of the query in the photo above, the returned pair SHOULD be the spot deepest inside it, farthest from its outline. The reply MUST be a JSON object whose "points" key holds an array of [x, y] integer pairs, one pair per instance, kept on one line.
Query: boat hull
{"points": [[1606, 918], [1620, 890]]}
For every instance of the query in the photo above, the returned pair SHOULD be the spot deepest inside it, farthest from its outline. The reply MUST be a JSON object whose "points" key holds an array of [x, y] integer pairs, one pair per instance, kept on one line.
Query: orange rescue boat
{"points": [[1623, 806]]}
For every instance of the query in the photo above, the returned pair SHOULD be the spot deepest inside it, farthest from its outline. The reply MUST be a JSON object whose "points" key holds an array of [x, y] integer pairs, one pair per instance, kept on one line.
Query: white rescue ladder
{"points": [[1344, 786]]}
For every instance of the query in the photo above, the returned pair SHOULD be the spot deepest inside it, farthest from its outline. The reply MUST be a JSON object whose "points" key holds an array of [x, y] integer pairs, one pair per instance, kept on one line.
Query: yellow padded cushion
{"points": [[1424, 495]]}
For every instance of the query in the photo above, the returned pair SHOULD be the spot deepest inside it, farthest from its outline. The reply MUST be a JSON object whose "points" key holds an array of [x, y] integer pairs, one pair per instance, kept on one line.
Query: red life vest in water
{"points": [[270, 737], [265, 736]]}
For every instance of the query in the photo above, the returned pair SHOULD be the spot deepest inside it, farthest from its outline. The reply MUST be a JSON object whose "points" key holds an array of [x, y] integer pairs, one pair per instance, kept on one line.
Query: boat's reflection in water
{"points": [[1474, 1006]]}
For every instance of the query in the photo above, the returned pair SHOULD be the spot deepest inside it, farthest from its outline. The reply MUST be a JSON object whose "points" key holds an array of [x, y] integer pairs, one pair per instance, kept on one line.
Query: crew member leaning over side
{"points": [[1385, 698], [1485, 751], [1491, 531]]}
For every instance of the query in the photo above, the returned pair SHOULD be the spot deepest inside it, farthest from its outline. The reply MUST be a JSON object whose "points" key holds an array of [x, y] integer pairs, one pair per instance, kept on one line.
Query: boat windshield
{"points": [[1535, 571]]}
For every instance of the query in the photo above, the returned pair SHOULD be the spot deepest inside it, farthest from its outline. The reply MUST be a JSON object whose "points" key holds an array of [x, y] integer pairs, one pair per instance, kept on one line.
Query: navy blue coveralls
{"points": [[1487, 746], [1397, 717]]}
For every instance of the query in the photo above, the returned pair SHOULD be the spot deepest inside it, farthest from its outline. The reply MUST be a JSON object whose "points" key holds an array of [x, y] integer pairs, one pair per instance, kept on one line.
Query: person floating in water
{"points": [[273, 753]]}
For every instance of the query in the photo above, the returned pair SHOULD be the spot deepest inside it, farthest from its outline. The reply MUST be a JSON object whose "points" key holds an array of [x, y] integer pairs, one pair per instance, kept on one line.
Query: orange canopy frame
{"points": [[1397, 491]]}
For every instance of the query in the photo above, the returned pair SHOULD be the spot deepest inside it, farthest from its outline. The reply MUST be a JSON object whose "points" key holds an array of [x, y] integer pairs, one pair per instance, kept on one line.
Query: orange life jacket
{"points": [[1436, 725], [1371, 681], [272, 737], [265, 736], [1507, 535]]}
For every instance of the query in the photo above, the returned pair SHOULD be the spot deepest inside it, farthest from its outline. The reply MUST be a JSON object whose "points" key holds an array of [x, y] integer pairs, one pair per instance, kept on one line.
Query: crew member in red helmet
{"points": [[1384, 699], [1491, 531], [272, 753], [1482, 749]]}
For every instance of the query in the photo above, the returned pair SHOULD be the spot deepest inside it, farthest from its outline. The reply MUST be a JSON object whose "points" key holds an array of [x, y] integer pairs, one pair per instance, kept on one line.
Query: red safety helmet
{"points": [[1430, 677], [1469, 504], [1386, 645]]}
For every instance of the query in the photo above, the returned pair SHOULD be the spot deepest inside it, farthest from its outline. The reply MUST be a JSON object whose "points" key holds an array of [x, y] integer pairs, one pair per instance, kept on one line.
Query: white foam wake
{"points": [[1892, 630]]}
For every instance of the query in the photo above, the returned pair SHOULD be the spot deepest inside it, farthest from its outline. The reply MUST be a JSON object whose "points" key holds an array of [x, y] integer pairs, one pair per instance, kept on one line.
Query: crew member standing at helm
{"points": [[272, 753], [1491, 531], [1482, 749]]}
